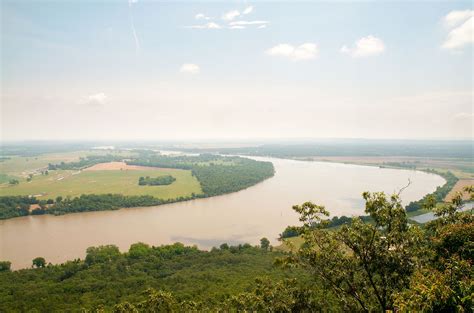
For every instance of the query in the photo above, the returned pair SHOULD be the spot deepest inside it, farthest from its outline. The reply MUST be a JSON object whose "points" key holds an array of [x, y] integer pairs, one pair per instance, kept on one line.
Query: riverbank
{"points": [[462, 169]]}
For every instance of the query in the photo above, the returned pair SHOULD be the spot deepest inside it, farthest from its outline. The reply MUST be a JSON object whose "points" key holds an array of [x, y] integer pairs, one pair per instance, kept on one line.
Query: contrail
{"points": [[137, 43]]}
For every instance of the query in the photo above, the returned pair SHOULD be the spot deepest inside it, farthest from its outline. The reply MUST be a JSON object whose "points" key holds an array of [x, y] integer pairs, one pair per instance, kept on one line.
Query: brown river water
{"points": [[263, 210]]}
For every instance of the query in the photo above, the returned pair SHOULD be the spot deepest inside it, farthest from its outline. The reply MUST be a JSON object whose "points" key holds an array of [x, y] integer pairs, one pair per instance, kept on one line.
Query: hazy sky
{"points": [[240, 69]]}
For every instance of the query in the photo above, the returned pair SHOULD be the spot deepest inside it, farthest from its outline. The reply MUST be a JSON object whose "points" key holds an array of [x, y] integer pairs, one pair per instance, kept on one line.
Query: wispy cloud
{"points": [[190, 68], [201, 16], [305, 51], [248, 23], [229, 16], [365, 47], [210, 25], [463, 116], [461, 24], [248, 10], [98, 99], [134, 32], [231, 20]]}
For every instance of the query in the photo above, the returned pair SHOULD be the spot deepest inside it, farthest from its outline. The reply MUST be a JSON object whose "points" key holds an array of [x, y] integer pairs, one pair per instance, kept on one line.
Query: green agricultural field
{"points": [[74, 183], [18, 166]]}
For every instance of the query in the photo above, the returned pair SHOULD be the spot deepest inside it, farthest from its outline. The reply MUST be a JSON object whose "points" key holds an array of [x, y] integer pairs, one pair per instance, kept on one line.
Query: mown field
{"points": [[74, 183], [21, 166]]}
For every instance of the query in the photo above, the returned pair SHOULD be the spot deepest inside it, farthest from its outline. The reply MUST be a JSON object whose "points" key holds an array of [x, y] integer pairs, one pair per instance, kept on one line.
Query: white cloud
{"points": [[130, 2], [189, 68], [248, 10], [237, 27], [249, 23], [463, 116], [262, 26], [463, 32], [210, 25], [365, 47], [229, 16], [455, 18], [98, 99], [306, 51], [201, 16]]}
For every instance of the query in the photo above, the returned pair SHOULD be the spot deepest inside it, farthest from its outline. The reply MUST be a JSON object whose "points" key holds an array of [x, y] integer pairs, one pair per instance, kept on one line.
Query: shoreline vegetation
{"points": [[216, 175]]}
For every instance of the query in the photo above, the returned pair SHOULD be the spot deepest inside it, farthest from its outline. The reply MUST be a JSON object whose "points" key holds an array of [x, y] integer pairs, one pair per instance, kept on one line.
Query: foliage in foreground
{"points": [[389, 264]]}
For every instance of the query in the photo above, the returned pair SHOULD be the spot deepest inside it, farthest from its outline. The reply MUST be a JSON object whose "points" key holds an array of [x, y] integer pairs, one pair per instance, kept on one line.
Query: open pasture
{"points": [[19, 166], [74, 183]]}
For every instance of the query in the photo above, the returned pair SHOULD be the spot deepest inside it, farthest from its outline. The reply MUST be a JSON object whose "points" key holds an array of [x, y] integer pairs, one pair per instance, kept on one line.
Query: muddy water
{"points": [[245, 216]]}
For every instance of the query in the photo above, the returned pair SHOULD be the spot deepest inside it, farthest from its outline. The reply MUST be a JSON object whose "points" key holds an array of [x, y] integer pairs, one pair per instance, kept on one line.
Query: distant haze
{"points": [[144, 70]]}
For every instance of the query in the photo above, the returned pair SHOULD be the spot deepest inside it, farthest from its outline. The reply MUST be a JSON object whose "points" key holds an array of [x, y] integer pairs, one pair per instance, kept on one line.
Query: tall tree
{"points": [[365, 263], [39, 262]]}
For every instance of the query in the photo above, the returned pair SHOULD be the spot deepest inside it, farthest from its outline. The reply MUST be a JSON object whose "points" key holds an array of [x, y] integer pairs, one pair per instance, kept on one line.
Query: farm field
{"points": [[460, 185], [19, 166], [74, 183]]}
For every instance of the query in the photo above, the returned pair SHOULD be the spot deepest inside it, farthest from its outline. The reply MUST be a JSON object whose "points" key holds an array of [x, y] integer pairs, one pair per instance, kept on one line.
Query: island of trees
{"points": [[156, 181]]}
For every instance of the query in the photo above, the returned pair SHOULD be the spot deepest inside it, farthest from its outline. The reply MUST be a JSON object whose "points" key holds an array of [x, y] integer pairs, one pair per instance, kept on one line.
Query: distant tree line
{"points": [[104, 202], [363, 148], [156, 181], [15, 206], [439, 194], [335, 221], [85, 162]]}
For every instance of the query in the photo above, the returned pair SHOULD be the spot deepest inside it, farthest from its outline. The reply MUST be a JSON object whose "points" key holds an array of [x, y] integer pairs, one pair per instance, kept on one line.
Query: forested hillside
{"points": [[107, 277]]}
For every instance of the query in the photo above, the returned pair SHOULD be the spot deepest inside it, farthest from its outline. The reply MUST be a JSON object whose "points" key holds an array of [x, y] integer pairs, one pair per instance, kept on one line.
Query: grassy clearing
{"points": [[4, 178], [290, 244], [125, 182]]}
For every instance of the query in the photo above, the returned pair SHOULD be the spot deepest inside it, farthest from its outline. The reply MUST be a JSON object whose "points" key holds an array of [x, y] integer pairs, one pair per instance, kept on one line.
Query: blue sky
{"points": [[166, 70]]}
